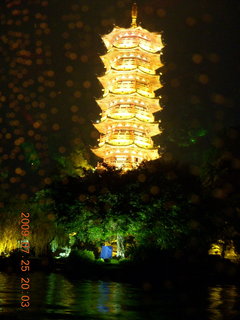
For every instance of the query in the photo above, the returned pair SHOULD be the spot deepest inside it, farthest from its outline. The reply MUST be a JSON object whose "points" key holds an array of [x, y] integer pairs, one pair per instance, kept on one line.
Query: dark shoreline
{"points": [[213, 271]]}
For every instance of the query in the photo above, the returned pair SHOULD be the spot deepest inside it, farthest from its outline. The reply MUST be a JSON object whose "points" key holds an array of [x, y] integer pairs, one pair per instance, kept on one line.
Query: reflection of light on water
{"points": [[109, 297], [2, 287], [9, 292], [104, 297], [60, 291], [222, 302], [57, 296], [215, 302]]}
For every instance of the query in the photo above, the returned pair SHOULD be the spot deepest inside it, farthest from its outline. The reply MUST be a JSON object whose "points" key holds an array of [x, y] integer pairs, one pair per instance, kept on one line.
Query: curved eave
{"points": [[139, 73], [101, 151], [108, 61], [109, 77], [141, 92], [151, 127], [154, 38], [138, 68], [140, 45], [151, 103]]}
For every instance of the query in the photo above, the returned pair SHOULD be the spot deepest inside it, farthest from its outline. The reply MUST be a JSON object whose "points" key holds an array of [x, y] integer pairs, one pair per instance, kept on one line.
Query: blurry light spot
{"points": [[47, 180], [79, 24], [149, 10], [94, 134], [203, 78], [145, 197], [161, 13], [84, 8], [213, 57], [141, 177], [51, 217], [84, 58], [195, 170], [218, 193], [62, 149], [36, 125], [218, 98], [194, 100], [41, 172], [194, 198], [92, 188], [87, 84], [54, 110], [69, 83], [55, 126], [23, 196], [69, 69], [18, 170], [82, 197], [77, 94], [13, 180], [154, 190], [190, 21], [8, 136], [74, 108], [206, 17], [197, 58]]}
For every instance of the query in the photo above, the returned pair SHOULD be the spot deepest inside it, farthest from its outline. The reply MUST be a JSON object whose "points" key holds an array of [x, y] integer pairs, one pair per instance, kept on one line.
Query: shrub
{"points": [[114, 261], [86, 255], [124, 261]]}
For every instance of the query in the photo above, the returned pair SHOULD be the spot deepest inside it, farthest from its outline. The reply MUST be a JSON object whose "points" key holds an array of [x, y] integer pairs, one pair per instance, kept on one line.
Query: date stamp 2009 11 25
{"points": [[25, 262]]}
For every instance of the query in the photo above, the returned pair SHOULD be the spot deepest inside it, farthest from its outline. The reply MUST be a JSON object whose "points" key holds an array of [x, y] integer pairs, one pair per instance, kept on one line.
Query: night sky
{"points": [[49, 66]]}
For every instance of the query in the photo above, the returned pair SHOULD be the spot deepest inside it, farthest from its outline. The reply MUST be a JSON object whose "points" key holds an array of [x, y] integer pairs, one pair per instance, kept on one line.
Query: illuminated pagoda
{"points": [[129, 101]]}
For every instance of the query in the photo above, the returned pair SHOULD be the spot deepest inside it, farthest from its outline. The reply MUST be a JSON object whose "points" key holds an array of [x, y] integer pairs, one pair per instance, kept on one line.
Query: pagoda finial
{"points": [[134, 15]]}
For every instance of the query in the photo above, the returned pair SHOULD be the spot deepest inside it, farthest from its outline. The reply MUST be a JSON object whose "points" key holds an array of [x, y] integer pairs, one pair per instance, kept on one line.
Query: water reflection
{"points": [[224, 302], [53, 296]]}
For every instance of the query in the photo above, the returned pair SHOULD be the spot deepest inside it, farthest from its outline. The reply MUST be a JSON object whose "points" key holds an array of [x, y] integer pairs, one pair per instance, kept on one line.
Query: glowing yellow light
{"points": [[129, 98]]}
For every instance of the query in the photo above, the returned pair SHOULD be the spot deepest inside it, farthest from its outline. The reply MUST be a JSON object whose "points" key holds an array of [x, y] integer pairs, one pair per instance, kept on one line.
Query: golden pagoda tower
{"points": [[129, 101]]}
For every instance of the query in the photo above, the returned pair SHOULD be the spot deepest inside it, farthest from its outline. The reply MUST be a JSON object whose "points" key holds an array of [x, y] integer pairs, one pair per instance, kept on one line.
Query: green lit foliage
{"points": [[80, 162], [221, 180], [9, 230], [75, 164], [86, 255], [31, 155], [43, 225], [151, 205]]}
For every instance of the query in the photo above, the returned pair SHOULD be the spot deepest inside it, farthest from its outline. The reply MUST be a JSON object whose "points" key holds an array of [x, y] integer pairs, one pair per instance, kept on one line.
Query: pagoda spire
{"points": [[134, 15]]}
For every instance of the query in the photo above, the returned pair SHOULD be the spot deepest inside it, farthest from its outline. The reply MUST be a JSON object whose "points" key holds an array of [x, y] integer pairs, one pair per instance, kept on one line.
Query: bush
{"points": [[86, 255], [124, 261], [114, 261]]}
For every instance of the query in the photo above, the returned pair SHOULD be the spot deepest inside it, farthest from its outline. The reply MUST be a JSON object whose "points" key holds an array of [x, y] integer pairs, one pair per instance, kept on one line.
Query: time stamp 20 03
{"points": [[25, 262]]}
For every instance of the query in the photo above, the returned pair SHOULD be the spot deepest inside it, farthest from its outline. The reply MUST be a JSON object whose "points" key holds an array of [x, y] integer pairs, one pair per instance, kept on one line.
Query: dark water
{"points": [[53, 296]]}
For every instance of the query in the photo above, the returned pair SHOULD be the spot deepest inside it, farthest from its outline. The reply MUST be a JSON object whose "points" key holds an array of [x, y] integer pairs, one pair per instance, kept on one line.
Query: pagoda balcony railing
{"points": [[125, 163], [122, 139], [124, 113]]}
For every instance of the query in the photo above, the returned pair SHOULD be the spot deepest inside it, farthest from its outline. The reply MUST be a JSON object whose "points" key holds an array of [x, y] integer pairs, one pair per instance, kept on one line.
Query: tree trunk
{"points": [[120, 246]]}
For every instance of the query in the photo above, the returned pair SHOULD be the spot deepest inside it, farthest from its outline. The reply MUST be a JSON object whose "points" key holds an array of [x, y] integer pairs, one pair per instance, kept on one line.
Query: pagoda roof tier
{"points": [[107, 150], [122, 60], [133, 37], [112, 100], [123, 82], [128, 112], [126, 140], [115, 75], [109, 124]]}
